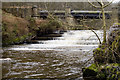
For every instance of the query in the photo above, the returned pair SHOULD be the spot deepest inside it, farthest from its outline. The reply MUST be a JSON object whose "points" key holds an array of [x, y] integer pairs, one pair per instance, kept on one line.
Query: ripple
{"points": [[60, 58], [33, 75], [60, 64]]}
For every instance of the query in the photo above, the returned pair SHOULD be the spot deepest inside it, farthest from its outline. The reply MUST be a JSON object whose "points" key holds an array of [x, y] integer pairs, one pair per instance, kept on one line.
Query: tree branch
{"points": [[108, 4], [96, 36], [93, 32], [93, 4], [99, 3]]}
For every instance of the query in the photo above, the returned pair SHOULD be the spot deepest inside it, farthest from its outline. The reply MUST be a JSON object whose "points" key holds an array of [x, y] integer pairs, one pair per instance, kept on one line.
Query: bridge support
{"points": [[69, 18], [34, 12]]}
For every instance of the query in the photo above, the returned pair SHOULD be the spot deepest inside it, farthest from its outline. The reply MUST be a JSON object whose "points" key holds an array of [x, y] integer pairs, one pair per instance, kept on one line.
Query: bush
{"points": [[49, 27]]}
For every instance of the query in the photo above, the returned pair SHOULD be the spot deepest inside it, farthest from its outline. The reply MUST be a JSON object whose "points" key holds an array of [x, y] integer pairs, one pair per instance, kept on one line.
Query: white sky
{"points": [[116, 1]]}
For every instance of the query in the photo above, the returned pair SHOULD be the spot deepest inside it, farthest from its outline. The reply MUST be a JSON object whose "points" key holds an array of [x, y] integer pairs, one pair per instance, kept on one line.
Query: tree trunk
{"points": [[104, 25]]}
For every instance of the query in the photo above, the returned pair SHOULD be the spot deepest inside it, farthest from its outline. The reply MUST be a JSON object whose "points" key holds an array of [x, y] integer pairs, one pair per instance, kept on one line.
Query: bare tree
{"points": [[102, 6]]}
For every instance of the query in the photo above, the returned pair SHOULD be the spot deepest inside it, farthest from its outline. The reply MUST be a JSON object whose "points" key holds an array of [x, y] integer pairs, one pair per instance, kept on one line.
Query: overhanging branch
{"points": [[93, 4], [108, 4]]}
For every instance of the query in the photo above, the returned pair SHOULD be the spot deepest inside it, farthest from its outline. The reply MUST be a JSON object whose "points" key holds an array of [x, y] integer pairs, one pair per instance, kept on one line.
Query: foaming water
{"points": [[78, 38], [62, 57]]}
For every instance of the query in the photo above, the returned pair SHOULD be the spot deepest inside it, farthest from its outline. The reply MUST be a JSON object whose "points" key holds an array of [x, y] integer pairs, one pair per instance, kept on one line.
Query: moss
{"points": [[116, 48], [101, 76], [116, 44], [113, 50], [16, 40], [99, 55], [104, 72], [93, 67], [108, 58], [21, 39], [116, 23], [105, 54], [109, 72], [90, 71]]}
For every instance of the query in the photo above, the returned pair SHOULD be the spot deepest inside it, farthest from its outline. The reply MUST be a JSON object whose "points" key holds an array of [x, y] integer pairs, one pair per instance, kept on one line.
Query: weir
{"points": [[61, 57], [70, 39]]}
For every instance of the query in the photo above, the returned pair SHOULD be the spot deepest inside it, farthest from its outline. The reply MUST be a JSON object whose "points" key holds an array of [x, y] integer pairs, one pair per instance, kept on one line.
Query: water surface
{"points": [[62, 57]]}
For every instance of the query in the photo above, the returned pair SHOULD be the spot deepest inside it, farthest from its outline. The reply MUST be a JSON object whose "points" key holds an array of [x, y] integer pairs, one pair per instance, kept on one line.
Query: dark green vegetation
{"points": [[106, 60], [16, 30]]}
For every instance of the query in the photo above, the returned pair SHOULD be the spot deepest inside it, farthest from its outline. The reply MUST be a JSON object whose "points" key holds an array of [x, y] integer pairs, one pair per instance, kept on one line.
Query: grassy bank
{"points": [[16, 30]]}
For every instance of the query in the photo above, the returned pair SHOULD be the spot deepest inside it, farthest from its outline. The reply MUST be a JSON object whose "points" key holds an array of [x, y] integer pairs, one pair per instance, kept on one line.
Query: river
{"points": [[62, 57]]}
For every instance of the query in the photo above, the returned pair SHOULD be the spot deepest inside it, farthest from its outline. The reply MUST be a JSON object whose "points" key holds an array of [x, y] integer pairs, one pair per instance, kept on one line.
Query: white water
{"points": [[65, 59], [72, 40]]}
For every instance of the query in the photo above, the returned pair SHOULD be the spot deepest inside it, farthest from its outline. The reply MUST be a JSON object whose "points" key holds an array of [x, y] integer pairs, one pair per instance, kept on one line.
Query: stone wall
{"points": [[19, 12]]}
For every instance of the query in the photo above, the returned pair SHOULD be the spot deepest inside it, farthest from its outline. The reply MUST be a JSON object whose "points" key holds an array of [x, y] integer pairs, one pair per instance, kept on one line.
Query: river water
{"points": [[62, 57]]}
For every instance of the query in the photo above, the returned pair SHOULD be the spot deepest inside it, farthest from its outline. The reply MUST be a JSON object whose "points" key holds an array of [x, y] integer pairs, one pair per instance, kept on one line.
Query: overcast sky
{"points": [[116, 1]]}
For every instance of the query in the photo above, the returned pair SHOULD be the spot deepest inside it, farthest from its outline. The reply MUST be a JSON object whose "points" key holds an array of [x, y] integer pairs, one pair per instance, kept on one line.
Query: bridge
{"points": [[77, 14], [34, 11]]}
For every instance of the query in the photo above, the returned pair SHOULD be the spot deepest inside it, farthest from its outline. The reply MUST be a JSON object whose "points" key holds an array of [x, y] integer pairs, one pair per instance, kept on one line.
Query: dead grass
{"points": [[39, 21], [15, 23]]}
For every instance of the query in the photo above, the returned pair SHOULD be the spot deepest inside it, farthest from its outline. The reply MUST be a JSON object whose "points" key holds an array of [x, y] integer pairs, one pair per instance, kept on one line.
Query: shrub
{"points": [[49, 27]]}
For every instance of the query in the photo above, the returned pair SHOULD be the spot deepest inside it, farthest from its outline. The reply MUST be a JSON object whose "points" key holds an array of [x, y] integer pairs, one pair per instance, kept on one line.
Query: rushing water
{"points": [[62, 57]]}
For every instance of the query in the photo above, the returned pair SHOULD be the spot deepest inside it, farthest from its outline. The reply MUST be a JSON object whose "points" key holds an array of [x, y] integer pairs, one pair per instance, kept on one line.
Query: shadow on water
{"points": [[62, 57]]}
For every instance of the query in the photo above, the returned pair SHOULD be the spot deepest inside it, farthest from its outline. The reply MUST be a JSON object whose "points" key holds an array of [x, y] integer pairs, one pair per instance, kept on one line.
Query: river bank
{"points": [[16, 30], [41, 43], [106, 59]]}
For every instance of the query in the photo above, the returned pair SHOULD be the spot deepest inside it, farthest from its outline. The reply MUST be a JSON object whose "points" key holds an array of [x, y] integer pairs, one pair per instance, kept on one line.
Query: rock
{"points": [[113, 32], [32, 42], [90, 72], [43, 38], [107, 57], [105, 72], [52, 35]]}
